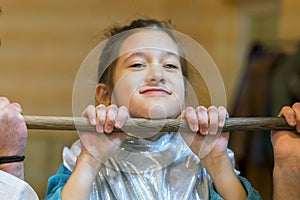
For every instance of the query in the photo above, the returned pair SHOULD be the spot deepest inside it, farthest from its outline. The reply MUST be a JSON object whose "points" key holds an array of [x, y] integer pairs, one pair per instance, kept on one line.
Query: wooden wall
{"points": [[44, 42], [290, 25]]}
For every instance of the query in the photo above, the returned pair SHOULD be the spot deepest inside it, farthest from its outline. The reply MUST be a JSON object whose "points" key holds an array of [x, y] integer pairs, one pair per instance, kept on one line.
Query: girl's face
{"points": [[148, 76]]}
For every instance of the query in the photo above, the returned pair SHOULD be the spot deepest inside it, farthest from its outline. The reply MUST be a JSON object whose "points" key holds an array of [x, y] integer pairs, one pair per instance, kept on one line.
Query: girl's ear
{"points": [[103, 94]]}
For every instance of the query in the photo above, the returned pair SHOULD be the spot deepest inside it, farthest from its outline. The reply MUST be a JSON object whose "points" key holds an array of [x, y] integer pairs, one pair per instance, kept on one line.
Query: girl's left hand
{"points": [[206, 138], [209, 143]]}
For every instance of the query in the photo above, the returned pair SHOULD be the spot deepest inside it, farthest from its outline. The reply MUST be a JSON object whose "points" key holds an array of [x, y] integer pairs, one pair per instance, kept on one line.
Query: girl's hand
{"points": [[102, 144], [97, 148], [210, 144], [206, 124]]}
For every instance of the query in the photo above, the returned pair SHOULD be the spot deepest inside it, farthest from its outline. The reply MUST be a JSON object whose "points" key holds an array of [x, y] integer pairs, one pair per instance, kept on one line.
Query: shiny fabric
{"points": [[145, 170]]}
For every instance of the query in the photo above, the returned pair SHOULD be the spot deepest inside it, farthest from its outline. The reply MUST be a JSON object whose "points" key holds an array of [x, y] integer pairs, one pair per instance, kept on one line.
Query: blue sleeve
{"points": [[252, 193], [56, 183]]}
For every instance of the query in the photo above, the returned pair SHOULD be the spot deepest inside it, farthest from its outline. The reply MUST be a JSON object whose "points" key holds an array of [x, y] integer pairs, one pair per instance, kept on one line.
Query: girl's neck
{"points": [[154, 143]]}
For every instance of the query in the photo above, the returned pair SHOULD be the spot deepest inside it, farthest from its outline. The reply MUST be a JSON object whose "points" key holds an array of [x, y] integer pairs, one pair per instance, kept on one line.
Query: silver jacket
{"points": [[165, 169]]}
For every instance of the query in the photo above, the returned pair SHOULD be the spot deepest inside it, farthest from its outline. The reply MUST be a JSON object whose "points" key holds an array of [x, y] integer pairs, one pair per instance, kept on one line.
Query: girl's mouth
{"points": [[154, 90]]}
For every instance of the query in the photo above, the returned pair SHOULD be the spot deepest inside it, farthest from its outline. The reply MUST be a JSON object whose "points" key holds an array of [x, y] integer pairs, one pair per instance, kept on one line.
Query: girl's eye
{"points": [[171, 66], [137, 65]]}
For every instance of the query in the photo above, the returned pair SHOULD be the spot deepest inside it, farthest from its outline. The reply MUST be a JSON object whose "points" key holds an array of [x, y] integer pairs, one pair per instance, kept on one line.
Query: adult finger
{"points": [[16, 107], [288, 113], [4, 102], [296, 108]]}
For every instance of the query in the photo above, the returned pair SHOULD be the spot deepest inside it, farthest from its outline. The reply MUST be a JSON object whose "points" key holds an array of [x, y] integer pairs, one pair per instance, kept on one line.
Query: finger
{"points": [[111, 115], [16, 107], [16, 110], [90, 113], [202, 119], [181, 116], [4, 102], [101, 118], [191, 117], [288, 113], [296, 108], [223, 114], [122, 116], [213, 118]]}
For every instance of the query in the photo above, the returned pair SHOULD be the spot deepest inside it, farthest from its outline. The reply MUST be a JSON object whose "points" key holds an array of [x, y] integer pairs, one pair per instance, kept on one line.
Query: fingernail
{"points": [[195, 128], [293, 121], [100, 129], [118, 124], [221, 123], [108, 128], [204, 131]]}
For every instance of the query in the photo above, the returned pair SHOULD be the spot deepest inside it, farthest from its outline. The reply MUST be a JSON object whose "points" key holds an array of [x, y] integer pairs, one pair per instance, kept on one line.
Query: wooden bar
{"points": [[169, 125]]}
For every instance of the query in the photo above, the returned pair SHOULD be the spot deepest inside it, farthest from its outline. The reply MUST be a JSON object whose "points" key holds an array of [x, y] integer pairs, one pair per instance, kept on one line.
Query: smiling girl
{"points": [[147, 81]]}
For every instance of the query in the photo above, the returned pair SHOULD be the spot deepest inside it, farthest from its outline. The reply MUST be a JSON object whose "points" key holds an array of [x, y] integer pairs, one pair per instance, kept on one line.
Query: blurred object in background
{"points": [[253, 149], [269, 36], [270, 80], [285, 88]]}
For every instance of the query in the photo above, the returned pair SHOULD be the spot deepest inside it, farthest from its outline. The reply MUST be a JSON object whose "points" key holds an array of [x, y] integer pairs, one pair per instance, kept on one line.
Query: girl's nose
{"points": [[155, 75]]}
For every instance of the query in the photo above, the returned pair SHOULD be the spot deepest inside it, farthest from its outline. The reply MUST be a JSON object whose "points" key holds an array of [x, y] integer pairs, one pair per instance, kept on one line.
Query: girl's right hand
{"points": [[103, 144], [97, 148]]}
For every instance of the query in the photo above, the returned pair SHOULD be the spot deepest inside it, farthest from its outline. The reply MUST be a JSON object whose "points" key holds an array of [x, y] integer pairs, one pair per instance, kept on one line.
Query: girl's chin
{"points": [[154, 110], [154, 114]]}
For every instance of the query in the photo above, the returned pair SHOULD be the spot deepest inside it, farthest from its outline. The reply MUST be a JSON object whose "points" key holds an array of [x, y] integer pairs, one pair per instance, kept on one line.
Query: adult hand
{"points": [[286, 145], [13, 130], [13, 136]]}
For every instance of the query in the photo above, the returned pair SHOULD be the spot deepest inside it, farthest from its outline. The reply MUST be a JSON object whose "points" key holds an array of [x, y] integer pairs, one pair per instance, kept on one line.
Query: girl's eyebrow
{"points": [[135, 54], [170, 53], [144, 54]]}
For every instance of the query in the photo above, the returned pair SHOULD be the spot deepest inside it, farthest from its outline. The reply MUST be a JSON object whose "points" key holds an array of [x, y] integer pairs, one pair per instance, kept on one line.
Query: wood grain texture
{"points": [[145, 125]]}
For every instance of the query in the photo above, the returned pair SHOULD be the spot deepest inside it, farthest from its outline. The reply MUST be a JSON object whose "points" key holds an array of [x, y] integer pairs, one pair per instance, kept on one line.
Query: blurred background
{"points": [[253, 42]]}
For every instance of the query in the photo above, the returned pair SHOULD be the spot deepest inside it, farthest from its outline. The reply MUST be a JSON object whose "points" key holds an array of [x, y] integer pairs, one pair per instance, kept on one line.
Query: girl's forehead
{"points": [[149, 39]]}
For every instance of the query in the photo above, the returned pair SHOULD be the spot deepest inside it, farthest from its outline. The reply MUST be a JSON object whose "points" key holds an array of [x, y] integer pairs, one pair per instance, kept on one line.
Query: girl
{"points": [[147, 81]]}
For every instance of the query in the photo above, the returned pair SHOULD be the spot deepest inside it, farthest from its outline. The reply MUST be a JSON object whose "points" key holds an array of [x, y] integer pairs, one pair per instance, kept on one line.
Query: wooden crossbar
{"points": [[168, 125]]}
